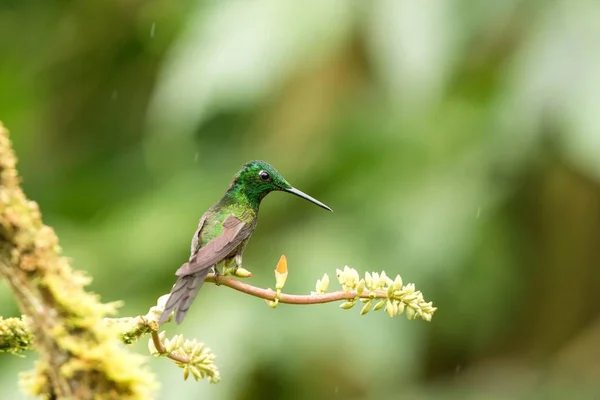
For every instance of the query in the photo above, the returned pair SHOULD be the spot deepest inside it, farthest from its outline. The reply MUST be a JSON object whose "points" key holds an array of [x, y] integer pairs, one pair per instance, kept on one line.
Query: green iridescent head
{"points": [[256, 179]]}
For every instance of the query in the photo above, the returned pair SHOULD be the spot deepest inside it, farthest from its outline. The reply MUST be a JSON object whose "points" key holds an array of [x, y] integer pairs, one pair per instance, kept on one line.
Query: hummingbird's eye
{"points": [[264, 176]]}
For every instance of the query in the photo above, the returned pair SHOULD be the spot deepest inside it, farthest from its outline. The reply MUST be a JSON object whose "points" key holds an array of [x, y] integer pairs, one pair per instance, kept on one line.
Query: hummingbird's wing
{"points": [[234, 233], [196, 238], [192, 274]]}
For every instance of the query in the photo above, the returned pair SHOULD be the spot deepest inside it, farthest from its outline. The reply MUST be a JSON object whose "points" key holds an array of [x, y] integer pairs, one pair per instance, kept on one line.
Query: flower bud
{"points": [[242, 273]]}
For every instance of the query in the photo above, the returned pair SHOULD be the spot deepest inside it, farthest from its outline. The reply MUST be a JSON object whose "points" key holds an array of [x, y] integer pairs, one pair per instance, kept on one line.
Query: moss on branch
{"points": [[80, 356], [15, 337]]}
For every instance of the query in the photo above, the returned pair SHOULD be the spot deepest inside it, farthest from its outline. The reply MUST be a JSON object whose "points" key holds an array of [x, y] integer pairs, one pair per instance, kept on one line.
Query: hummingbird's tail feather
{"points": [[182, 295]]}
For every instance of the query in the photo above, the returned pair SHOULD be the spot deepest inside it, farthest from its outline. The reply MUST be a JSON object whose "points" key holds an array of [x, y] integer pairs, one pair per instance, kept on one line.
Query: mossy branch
{"points": [[80, 357]]}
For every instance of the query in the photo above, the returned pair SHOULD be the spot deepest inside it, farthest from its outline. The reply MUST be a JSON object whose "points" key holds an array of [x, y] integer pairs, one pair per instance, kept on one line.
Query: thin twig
{"points": [[298, 299], [162, 350]]}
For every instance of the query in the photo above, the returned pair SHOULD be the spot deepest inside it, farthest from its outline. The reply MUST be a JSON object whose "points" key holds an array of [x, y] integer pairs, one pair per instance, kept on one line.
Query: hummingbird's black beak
{"points": [[307, 197]]}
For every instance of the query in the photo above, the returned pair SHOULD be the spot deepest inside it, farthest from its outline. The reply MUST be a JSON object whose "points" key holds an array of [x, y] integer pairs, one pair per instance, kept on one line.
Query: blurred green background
{"points": [[458, 143]]}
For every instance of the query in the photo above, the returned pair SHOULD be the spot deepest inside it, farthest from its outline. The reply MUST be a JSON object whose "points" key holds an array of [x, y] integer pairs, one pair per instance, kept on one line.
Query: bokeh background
{"points": [[458, 143]]}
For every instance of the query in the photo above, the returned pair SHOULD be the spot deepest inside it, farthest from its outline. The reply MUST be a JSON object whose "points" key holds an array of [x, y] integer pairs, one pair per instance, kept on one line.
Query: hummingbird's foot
{"points": [[240, 271], [217, 275]]}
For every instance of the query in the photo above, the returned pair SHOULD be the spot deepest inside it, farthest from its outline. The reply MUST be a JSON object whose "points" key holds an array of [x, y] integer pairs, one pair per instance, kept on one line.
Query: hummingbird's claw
{"points": [[217, 274]]}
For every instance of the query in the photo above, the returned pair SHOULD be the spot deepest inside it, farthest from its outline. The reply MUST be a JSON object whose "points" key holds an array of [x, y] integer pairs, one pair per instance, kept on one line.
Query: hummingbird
{"points": [[224, 231]]}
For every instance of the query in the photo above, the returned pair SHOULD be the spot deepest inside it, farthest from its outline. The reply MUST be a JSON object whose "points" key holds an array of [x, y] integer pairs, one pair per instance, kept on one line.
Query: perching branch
{"points": [[298, 299], [393, 294]]}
